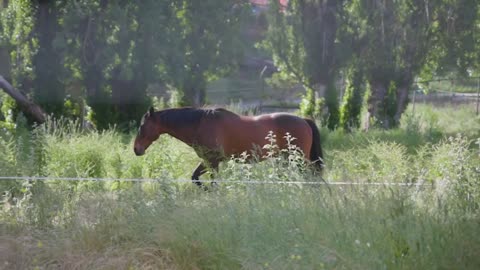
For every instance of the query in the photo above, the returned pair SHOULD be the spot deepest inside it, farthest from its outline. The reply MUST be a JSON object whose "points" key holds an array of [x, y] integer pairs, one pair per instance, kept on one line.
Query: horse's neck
{"points": [[181, 124], [185, 134]]}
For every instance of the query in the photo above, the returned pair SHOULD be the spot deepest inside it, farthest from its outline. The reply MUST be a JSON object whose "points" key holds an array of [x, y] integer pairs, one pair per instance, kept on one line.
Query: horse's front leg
{"points": [[201, 169]]}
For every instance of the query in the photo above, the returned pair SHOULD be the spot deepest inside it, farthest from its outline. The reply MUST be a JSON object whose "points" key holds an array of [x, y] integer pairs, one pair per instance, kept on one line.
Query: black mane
{"points": [[187, 116]]}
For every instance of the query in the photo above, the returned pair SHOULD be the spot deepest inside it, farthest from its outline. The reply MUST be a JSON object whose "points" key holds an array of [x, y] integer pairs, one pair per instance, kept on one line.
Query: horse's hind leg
{"points": [[201, 169], [214, 165]]}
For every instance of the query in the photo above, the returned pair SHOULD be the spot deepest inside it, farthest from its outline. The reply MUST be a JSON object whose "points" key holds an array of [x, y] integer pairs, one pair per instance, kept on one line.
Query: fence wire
{"points": [[218, 181]]}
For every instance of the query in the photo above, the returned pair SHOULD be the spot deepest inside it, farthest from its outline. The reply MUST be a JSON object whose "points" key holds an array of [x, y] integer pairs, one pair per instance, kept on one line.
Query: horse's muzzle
{"points": [[138, 151]]}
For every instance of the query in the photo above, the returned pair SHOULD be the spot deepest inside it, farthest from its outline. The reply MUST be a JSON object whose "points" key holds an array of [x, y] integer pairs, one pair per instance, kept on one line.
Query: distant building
{"points": [[260, 6], [259, 9], [255, 32]]}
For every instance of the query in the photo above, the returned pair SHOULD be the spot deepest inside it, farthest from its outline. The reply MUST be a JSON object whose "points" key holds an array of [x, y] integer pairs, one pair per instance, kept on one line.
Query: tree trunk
{"points": [[193, 96], [28, 107], [403, 86], [320, 89], [5, 66], [319, 27], [49, 90], [129, 99], [402, 101], [194, 90], [3, 4], [376, 103]]}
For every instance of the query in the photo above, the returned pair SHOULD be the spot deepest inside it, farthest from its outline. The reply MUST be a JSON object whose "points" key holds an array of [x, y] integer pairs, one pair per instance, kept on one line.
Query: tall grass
{"points": [[168, 225], [260, 227]]}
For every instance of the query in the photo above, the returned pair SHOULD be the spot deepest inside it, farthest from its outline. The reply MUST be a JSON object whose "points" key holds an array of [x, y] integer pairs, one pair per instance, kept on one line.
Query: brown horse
{"points": [[217, 134]]}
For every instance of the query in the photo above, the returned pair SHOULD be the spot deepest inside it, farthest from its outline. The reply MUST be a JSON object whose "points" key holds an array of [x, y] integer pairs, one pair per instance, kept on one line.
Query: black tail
{"points": [[316, 154]]}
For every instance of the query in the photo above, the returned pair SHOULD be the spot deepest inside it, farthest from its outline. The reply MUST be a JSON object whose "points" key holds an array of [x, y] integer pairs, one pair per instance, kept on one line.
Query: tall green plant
{"points": [[332, 104], [352, 100], [311, 105]]}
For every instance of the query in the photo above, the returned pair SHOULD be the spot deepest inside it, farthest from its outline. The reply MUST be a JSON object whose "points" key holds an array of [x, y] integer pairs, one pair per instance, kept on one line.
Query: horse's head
{"points": [[148, 132]]}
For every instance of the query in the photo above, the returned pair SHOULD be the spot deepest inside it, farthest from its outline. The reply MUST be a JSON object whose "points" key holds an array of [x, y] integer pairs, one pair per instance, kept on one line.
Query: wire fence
{"points": [[455, 92], [217, 181]]}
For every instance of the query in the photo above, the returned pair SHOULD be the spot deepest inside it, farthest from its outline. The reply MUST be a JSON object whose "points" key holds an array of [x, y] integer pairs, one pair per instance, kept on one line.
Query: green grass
{"points": [[460, 86], [168, 225], [244, 227]]}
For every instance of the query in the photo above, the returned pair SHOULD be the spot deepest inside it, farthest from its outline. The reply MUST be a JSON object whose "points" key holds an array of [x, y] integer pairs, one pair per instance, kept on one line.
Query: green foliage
{"points": [[352, 100], [137, 44], [311, 105], [9, 109], [332, 104], [29, 29], [115, 70], [206, 42], [390, 104], [23, 154], [23, 150], [395, 41], [285, 43], [63, 50], [451, 165], [457, 35], [18, 23], [72, 109]]}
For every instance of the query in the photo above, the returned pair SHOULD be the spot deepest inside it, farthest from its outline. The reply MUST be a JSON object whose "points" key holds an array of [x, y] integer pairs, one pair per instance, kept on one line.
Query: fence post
{"points": [[413, 106], [452, 91], [262, 79], [478, 92]]}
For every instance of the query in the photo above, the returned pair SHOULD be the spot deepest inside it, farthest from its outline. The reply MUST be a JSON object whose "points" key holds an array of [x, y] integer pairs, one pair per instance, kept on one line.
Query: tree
{"points": [[456, 47], [29, 108], [17, 25], [48, 88], [393, 43], [118, 48], [205, 42], [113, 49], [18, 49], [302, 39], [28, 29]]}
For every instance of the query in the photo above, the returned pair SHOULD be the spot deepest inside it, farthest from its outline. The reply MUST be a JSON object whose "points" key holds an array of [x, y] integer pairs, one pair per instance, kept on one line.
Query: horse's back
{"points": [[281, 122], [244, 133], [296, 127]]}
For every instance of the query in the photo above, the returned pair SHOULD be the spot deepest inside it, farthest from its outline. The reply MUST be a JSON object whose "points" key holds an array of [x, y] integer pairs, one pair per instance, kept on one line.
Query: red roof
{"points": [[259, 2], [265, 2]]}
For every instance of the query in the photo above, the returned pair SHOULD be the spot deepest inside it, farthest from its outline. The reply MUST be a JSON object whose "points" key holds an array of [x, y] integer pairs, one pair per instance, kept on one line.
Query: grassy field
{"points": [[173, 225], [459, 86]]}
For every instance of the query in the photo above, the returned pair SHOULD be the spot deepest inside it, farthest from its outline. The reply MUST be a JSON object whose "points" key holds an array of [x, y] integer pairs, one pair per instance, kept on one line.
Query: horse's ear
{"points": [[151, 111]]}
